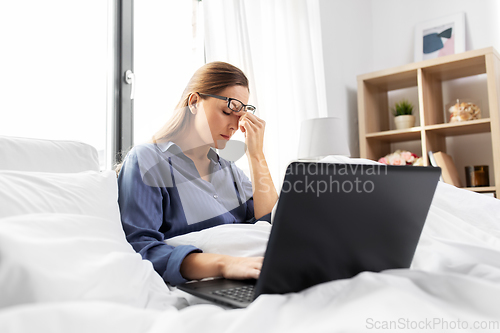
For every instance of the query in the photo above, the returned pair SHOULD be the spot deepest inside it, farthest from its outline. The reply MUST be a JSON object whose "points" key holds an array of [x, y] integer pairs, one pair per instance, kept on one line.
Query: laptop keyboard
{"points": [[240, 294]]}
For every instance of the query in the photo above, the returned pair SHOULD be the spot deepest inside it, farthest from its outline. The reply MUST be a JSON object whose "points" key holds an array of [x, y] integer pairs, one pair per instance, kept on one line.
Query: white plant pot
{"points": [[405, 121]]}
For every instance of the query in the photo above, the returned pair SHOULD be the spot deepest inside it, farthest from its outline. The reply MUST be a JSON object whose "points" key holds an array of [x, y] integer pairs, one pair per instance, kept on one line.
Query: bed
{"points": [[65, 265]]}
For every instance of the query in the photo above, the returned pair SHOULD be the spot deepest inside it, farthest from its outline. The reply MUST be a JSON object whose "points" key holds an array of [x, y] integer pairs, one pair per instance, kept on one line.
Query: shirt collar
{"points": [[169, 145], [176, 150], [213, 155]]}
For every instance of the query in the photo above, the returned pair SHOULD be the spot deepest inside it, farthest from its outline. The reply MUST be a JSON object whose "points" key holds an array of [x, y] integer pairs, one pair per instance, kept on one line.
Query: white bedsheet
{"points": [[454, 283]]}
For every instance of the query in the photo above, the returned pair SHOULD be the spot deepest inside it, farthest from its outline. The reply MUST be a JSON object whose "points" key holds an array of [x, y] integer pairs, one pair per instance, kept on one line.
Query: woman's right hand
{"points": [[241, 268], [197, 266]]}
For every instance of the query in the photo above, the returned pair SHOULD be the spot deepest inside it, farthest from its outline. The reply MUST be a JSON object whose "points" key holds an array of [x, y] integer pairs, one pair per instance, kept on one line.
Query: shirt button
{"points": [[215, 196]]}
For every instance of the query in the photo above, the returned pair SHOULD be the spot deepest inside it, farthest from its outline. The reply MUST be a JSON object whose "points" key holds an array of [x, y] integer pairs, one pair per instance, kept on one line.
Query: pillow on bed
{"points": [[61, 239], [24, 154], [239, 240], [67, 257], [87, 193]]}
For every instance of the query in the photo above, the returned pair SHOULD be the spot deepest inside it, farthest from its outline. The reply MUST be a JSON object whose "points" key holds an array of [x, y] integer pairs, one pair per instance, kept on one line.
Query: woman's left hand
{"points": [[253, 127]]}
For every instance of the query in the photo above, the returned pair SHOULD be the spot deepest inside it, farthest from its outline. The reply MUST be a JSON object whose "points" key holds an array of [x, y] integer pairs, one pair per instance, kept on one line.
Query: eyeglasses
{"points": [[233, 104]]}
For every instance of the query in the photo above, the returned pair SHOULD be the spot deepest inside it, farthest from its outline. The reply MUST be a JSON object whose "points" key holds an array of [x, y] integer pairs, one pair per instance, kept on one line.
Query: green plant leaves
{"points": [[404, 107]]}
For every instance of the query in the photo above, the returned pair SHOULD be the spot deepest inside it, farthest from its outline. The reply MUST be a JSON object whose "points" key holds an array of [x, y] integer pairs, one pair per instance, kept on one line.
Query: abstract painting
{"points": [[441, 37]]}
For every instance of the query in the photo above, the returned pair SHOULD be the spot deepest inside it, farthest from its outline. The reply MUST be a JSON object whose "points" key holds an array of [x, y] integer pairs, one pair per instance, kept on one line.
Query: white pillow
{"points": [[24, 154], [67, 257], [86, 193], [239, 240]]}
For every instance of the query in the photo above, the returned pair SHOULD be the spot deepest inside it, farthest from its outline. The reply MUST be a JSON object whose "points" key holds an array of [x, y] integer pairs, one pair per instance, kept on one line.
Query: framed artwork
{"points": [[440, 37]]}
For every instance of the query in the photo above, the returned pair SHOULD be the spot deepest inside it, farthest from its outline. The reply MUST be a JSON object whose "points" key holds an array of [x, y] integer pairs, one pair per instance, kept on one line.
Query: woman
{"points": [[177, 183]]}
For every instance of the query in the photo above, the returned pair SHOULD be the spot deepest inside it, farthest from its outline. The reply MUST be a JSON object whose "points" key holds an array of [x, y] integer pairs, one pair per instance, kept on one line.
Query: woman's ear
{"points": [[192, 102]]}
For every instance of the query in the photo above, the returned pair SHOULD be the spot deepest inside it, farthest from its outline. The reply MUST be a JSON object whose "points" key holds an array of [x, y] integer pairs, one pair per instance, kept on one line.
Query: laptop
{"points": [[334, 221]]}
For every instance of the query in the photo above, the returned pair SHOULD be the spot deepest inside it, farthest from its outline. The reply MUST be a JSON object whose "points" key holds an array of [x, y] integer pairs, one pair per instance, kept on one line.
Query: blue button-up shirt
{"points": [[162, 195]]}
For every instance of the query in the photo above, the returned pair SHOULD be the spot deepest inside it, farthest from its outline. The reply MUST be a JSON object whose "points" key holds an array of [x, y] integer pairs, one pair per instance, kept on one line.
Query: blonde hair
{"points": [[211, 78]]}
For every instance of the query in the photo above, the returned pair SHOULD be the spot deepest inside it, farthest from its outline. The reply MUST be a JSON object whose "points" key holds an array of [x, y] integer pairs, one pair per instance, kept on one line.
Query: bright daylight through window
{"points": [[54, 65]]}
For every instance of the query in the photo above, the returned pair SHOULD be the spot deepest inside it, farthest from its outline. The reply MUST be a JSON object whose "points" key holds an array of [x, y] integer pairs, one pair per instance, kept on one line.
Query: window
{"points": [[54, 65]]}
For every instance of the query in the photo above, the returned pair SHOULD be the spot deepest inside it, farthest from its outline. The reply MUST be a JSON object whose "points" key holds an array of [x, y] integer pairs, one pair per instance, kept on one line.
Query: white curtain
{"points": [[277, 43]]}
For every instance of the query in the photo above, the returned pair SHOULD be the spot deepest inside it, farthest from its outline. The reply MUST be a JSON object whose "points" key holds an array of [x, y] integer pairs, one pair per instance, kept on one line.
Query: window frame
{"points": [[120, 108]]}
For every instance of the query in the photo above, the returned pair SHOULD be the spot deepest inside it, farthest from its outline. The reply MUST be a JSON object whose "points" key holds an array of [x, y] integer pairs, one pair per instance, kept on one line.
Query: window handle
{"points": [[130, 79]]}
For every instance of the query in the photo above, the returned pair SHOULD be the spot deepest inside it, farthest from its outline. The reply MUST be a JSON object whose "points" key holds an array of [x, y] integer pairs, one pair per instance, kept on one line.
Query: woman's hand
{"points": [[264, 192], [253, 127], [242, 268], [197, 266]]}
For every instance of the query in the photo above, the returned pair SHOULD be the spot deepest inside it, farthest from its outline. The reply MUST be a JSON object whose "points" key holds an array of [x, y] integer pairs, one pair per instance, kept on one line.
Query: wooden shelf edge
{"points": [[428, 63], [404, 132], [461, 128], [481, 189], [458, 124]]}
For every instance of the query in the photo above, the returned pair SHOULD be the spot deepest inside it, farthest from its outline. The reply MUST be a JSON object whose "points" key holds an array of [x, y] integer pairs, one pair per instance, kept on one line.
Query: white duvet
{"points": [[71, 272]]}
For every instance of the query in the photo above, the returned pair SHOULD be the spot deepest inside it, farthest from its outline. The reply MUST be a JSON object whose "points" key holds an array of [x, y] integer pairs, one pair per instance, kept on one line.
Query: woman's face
{"points": [[222, 122]]}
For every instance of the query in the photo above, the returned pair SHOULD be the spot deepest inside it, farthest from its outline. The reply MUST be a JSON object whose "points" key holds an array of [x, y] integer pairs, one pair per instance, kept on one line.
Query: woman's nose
{"points": [[235, 120]]}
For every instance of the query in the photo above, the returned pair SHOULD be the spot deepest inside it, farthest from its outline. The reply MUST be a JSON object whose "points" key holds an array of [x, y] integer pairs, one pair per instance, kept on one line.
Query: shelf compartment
{"points": [[392, 80], [458, 68], [396, 135], [463, 128], [375, 96]]}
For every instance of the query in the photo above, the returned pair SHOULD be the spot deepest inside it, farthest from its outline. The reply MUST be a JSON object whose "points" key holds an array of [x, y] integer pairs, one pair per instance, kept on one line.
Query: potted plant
{"points": [[403, 117]]}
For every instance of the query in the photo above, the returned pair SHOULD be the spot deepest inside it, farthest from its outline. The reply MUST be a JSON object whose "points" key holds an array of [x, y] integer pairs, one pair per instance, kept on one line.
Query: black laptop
{"points": [[334, 221]]}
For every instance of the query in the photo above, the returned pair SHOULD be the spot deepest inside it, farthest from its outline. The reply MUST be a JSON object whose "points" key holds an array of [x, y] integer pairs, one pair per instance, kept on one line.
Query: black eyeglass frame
{"points": [[229, 99]]}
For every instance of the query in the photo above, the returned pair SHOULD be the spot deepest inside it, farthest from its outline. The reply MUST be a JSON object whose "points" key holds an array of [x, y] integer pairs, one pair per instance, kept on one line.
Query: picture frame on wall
{"points": [[440, 37]]}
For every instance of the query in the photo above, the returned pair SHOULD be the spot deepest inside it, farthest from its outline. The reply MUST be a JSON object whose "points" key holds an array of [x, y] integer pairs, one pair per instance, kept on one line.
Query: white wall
{"points": [[347, 52], [361, 36], [394, 23]]}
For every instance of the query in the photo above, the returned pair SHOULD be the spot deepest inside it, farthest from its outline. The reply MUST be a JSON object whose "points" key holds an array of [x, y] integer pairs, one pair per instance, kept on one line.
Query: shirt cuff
{"points": [[266, 217], [172, 274]]}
